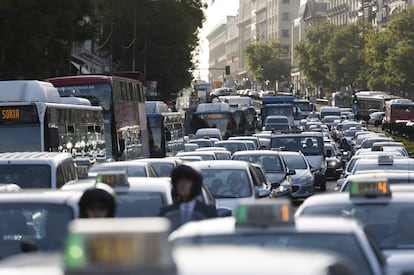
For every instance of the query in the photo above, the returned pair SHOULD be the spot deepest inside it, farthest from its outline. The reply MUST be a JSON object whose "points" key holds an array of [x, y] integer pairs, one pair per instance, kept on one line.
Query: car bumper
{"points": [[333, 172], [302, 191]]}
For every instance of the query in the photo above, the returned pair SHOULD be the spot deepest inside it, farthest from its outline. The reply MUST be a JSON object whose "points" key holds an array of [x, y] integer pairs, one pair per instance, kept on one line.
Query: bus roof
{"points": [[84, 79], [212, 107], [28, 91]]}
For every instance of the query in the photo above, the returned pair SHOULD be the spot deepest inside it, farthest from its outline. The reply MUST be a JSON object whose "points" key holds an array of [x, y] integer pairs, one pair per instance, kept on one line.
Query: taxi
{"points": [[118, 246], [271, 225], [386, 163], [397, 177], [133, 168], [163, 166], [388, 216], [141, 197], [35, 220], [231, 181]]}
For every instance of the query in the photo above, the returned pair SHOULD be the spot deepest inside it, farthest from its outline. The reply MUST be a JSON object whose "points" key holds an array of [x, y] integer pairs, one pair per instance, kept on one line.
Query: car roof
{"points": [[256, 152], [231, 141], [122, 163], [306, 134], [196, 153], [221, 164], [40, 196], [158, 160]]}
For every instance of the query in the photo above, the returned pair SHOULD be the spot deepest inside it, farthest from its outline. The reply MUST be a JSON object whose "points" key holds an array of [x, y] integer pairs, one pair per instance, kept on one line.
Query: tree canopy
{"points": [[263, 60]]}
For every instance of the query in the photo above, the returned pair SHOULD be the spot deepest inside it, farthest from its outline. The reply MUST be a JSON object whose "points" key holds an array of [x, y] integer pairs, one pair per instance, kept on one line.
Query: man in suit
{"points": [[186, 186]]}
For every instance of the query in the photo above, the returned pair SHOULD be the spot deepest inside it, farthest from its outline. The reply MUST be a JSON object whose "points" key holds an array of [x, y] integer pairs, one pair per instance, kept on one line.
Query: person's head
{"points": [[186, 182], [97, 203], [309, 142]]}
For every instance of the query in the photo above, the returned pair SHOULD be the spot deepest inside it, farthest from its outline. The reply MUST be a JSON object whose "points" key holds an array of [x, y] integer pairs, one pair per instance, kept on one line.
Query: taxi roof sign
{"points": [[374, 188], [124, 244], [112, 178], [265, 214]]}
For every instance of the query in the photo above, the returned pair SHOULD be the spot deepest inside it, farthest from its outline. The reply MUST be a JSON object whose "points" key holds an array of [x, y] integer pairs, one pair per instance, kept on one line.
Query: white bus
{"points": [[372, 101], [33, 117]]}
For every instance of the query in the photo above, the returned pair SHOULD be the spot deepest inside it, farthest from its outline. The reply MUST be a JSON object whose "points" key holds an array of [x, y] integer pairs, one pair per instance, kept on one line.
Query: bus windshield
{"points": [[222, 121], [278, 110], [20, 138], [303, 105], [99, 94]]}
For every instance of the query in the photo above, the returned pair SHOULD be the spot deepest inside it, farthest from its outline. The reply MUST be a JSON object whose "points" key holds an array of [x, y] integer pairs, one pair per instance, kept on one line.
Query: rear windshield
{"points": [[26, 175]]}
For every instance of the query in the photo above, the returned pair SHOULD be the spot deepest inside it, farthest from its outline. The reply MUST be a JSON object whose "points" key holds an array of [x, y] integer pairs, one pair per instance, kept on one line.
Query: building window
{"points": [[285, 33], [285, 1], [285, 16]]}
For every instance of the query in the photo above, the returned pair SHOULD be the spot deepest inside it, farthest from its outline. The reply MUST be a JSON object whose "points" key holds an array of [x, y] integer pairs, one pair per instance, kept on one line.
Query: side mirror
{"points": [[291, 172], [340, 182], [262, 193], [224, 212]]}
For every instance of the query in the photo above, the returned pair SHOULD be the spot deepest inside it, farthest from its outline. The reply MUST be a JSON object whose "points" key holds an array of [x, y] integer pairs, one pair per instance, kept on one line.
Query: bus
{"points": [[399, 110], [202, 90], [342, 99], [371, 101], [214, 115], [123, 103], [35, 118], [166, 133]]}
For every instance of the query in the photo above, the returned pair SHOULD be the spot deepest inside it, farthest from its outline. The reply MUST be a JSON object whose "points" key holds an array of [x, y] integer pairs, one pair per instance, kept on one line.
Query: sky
{"points": [[215, 14]]}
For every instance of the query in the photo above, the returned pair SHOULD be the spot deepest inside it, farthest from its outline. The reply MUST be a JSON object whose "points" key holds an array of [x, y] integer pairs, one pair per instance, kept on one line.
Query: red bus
{"points": [[123, 103]]}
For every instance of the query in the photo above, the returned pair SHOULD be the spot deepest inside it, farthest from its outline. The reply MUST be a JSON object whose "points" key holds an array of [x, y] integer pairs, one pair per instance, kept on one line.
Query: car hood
{"points": [[300, 174], [316, 161], [276, 177]]}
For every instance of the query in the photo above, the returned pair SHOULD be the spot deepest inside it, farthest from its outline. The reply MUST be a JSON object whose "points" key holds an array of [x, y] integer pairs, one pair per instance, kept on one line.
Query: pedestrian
{"points": [[98, 202], [186, 187]]}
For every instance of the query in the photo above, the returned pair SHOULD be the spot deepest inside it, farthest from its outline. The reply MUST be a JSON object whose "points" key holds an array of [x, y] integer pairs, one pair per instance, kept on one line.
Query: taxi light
{"points": [[375, 188], [117, 246], [385, 160], [114, 178], [265, 214], [276, 149]]}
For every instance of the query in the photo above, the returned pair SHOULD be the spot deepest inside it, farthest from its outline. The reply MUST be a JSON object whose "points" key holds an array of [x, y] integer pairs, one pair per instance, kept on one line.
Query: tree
{"points": [[311, 53], [36, 37], [166, 38], [263, 60], [345, 54]]}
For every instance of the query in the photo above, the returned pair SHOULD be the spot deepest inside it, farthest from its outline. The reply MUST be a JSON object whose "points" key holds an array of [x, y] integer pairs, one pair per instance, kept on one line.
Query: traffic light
{"points": [[355, 100], [292, 86], [262, 68], [227, 70]]}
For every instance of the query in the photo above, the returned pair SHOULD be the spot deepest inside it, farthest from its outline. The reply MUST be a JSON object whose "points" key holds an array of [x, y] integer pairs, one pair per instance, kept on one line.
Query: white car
{"points": [[231, 181]]}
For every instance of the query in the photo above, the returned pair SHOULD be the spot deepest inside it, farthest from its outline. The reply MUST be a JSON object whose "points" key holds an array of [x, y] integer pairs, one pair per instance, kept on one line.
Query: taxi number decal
{"points": [[10, 114], [285, 213], [383, 187], [111, 250]]}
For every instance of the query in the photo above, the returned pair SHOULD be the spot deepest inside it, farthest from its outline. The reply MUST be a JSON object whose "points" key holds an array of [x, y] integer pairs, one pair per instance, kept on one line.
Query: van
{"points": [[37, 169], [330, 111]]}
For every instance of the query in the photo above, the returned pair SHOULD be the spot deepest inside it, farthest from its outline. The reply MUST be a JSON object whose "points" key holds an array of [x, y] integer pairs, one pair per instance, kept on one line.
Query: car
{"points": [[231, 181], [133, 168], [276, 124], [35, 219], [376, 118], [391, 150], [190, 147], [255, 139], [302, 180], [398, 177], [274, 166], [139, 197], [312, 147], [261, 172], [208, 132], [271, 225], [384, 214], [369, 141], [233, 145], [163, 166], [202, 142], [386, 163], [334, 167]]}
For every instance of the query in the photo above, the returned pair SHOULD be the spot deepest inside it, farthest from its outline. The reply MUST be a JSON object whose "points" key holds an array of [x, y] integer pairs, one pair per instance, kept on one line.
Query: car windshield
{"points": [[26, 176], [294, 162], [40, 226], [233, 147], [227, 183], [344, 244], [387, 222], [368, 143], [132, 171], [270, 163], [308, 145], [139, 204], [163, 169]]}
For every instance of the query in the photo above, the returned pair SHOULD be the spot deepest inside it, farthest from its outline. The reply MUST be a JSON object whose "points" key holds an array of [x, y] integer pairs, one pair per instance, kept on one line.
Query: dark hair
{"points": [[97, 196], [189, 173]]}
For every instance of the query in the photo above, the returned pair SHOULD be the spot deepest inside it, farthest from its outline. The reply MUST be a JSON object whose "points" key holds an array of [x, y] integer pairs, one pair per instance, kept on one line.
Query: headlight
{"points": [[282, 188], [334, 163]]}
